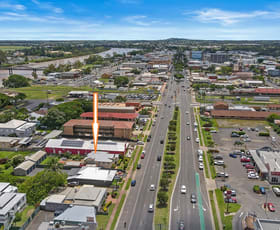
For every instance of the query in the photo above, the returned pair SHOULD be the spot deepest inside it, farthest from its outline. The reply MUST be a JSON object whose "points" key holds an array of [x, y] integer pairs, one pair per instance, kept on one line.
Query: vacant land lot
{"points": [[227, 123]]}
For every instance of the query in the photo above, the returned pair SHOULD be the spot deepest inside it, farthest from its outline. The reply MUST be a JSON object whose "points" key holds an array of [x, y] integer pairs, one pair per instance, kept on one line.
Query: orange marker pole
{"points": [[95, 123]]}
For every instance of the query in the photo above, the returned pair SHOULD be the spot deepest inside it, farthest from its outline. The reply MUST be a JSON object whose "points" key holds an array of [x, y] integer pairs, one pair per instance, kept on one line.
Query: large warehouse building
{"points": [[111, 129], [59, 146]]}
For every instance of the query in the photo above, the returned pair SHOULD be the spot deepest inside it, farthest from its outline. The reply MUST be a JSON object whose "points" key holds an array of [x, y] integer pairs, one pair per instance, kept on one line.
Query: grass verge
{"points": [[128, 183], [102, 220], [211, 165], [205, 165], [117, 213], [137, 158], [214, 211], [25, 214]]}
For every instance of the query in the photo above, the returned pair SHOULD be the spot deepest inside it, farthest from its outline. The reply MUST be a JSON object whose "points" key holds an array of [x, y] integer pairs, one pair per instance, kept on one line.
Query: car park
{"points": [[151, 208], [152, 187], [201, 166], [193, 198], [269, 206], [183, 189]]}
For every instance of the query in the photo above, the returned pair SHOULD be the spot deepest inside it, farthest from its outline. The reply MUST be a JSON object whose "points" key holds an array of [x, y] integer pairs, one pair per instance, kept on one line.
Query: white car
{"points": [[199, 152], [197, 140], [143, 152], [187, 112], [201, 166], [188, 123], [219, 162], [183, 189], [195, 129], [151, 208], [200, 159], [152, 187]]}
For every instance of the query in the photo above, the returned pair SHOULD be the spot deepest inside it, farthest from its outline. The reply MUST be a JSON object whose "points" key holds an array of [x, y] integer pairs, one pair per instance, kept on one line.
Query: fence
{"points": [[24, 226]]}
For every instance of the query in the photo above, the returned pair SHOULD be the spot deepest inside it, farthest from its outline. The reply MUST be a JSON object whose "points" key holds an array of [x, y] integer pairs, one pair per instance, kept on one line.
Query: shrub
{"points": [[264, 134], [256, 189]]}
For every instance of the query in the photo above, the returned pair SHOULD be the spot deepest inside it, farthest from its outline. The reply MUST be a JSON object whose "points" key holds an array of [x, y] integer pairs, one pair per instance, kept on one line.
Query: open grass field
{"points": [[39, 91], [11, 48], [232, 123]]}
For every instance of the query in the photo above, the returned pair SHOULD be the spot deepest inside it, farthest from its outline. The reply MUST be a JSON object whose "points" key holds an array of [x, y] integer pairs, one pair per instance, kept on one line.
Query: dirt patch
{"points": [[235, 123]]}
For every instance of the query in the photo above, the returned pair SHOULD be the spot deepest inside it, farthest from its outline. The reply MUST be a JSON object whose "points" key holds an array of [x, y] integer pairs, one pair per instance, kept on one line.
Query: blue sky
{"points": [[139, 19]]}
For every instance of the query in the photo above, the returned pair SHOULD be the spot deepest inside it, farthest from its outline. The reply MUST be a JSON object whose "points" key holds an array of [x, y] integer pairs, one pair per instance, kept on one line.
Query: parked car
{"points": [[193, 198], [245, 159], [270, 206], [199, 152], [200, 159], [183, 189], [230, 191], [139, 166], [197, 140], [221, 174], [218, 157], [231, 200], [151, 208], [73, 183], [276, 190], [142, 156], [249, 166], [233, 155], [213, 131], [219, 162], [235, 135], [140, 142], [201, 166], [158, 158], [133, 182], [252, 176], [262, 190]]}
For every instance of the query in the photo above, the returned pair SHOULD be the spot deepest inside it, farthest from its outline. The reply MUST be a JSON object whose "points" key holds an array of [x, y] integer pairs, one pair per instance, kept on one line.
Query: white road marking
{"points": [[176, 209], [241, 214], [204, 209], [193, 205]]}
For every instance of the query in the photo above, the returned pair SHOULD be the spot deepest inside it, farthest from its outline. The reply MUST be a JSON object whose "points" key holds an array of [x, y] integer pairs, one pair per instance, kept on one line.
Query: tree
{"points": [[34, 75], [54, 119], [3, 57], [18, 217], [121, 81], [120, 99], [164, 182], [16, 81], [77, 64], [54, 165], [51, 69], [19, 97], [87, 70], [135, 71], [16, 160], [162, 198]]}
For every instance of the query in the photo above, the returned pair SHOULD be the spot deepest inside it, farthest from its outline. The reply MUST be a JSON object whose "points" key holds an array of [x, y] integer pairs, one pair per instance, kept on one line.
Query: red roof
{"points": [[267, 90], [111, 115], [102, 123]]}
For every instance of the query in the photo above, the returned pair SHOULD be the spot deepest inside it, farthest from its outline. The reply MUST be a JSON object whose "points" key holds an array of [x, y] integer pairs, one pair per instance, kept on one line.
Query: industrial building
{"points": [[109, 129], [102, 159], [18, 127], [59, 146]]}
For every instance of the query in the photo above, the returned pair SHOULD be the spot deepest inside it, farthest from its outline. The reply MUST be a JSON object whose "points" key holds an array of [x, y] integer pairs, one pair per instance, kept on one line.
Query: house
{"points": [[10, 203], [93, 175], [102, 159]]}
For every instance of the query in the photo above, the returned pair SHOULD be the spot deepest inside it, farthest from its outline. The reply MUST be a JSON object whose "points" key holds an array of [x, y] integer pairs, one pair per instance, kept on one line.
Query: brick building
{"points": [[111, 116], [221, 105]]}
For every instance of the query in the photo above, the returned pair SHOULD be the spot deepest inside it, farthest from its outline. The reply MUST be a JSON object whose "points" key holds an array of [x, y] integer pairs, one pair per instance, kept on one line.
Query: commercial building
{"points": [[198, 55], [116, 109], [274, 72], [18, 127], [10, 203], [79, 94], [8, 142], [268, 164], [86, 195], [221, 105], [219, 57], [102, 159], [241, 114], [59, 146], [108, 129], [93, 175], [111, 116]]}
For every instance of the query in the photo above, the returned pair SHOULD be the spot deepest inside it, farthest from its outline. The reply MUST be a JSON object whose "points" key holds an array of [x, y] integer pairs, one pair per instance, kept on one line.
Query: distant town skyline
{"points": [[139, 20]]}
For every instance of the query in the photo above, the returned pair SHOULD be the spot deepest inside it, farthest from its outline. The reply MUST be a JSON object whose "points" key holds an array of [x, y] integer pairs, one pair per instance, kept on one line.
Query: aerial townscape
{"points": [[188, 124]]}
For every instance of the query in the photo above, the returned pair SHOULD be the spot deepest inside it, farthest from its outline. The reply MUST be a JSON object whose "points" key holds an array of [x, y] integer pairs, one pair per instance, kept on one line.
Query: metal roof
{"points": [[258, 161], [8, 201], [12, 124], [25, 165], [37, 156]]}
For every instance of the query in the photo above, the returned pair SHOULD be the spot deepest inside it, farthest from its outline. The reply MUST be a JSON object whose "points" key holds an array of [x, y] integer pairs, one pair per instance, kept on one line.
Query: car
{"points": [[251, 170], [133, 183], [193, 198], [256, 129], [230, 191], [136, 128], [187, 112], [232, 155], [270, 206], [276, 190], [188, 123], [195, 130], [235, 135], [221, 174], [199, 152], [142, 156], [183, 189], [262, 190], [200, 159], [152, 187], [181, 225], [245, 159], [249, 166], [213, 131], [161, 141], [188, 138], [219, 162], [253, 176], [57, 213], [247, 140], [197, 140], [151, 208], [240, 129], [139, 166], [143, 152], [231, 200], [218, 157], [140, 142], [162, 117], [73, 183], [201, 166]]}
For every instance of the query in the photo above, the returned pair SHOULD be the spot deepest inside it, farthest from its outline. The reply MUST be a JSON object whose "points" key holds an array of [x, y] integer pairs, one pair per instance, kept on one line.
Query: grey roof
{"points": [[77, 214], [37, 156], [25, 165], [100, 156], [12, 124], [53, 134], [8, 201], [9, 139], [55, 198], [3, 186], [258, 161]]}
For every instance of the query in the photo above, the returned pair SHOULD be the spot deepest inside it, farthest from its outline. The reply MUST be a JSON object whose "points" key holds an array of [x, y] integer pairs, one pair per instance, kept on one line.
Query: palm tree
{"points": [[54, 165]]}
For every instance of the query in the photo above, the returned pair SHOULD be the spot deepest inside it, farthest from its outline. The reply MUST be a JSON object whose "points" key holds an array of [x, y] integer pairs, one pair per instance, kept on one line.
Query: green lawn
{"points": [[117, 213], [128, 184], [212, 166], [205, 165], [214, 211], [10, 154], [102, 220], [104, 80], [39, 91], [25, 214], [162, 214]]}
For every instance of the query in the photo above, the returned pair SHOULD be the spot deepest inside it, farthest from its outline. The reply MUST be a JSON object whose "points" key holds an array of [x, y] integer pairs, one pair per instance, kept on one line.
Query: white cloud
{"points": [[7, 5], [226, 17], [140, 20], [47, 6]]}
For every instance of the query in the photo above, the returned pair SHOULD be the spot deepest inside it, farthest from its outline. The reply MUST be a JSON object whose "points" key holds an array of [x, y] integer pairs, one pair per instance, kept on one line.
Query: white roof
{"points": [[94, 173], [9, 139], [8, 201], [12, 124], [26, 126]]}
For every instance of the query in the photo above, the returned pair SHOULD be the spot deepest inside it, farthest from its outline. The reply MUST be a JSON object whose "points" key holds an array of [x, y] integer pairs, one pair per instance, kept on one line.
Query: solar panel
{"points": [[72, 143]]}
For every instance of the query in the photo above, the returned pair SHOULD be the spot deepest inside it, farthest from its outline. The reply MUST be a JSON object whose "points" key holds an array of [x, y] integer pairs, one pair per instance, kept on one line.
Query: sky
{"points": [[139, 19]]}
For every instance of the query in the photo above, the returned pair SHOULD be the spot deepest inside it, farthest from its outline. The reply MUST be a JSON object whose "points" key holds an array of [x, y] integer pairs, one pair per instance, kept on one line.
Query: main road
{"points": [[194, 216], [135, 211]]}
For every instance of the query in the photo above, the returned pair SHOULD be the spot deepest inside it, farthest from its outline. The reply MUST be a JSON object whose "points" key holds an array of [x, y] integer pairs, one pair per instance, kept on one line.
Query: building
{"points": [[268, 164], [70, 75], [79, 94], [10, 203], [102, 159], [241, 114], [18, 127], [198, 55], [111, 116], [86, 195], [274, 72], [219, 57], [8, 142], [116, 109], [267, 91], [221, 105], [273, 107], [59, 146], [77, 217], [93, 175], [37, 157], [24, 168], [108, 129]]}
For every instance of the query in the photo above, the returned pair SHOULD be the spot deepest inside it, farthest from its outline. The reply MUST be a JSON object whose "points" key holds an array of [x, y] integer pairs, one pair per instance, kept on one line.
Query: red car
{"points": [[142, 156], [270, 207], [231, 200], [249, 166], [245, 159]]}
